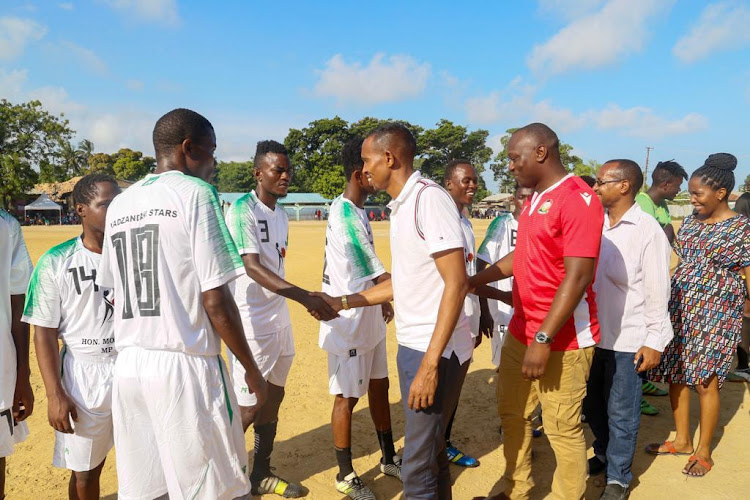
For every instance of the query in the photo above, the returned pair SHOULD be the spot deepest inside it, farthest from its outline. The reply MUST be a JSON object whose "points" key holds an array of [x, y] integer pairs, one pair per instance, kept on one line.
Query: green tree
{"points": [[30, 138], [500, 163], [588, 168], [234, 177], [746, 185], [330, 183], [132, 165], [101, 163], [76, 159]]}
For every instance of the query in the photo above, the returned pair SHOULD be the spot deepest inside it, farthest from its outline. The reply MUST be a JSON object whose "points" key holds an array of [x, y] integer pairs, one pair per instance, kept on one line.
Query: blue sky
{"points": [[610, 76]]}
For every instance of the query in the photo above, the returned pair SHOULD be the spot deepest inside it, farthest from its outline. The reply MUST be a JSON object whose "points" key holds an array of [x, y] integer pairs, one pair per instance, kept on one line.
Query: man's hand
{"points": [[651, 358], [60, 410], [423, 387], [23, 397], [535, 360], [257, 385], [486, 325], [319, 307], [388, 313]]}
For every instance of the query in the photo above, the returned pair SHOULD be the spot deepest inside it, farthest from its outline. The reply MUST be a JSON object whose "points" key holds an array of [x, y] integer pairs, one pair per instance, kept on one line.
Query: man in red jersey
{"points": [[547, 357]]}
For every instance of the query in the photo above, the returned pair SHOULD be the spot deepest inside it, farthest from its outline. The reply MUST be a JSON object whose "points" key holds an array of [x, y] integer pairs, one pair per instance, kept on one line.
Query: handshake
{"points": [[323, 307]]}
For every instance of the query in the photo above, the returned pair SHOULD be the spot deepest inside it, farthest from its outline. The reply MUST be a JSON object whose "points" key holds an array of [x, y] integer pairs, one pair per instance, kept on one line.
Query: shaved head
{"points": [[394, 136], [541, 135], [628, 170]]}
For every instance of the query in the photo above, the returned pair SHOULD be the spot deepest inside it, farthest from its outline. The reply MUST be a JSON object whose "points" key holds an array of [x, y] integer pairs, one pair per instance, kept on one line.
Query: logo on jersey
{"points": [[281, 251], [109, 306], [587, 198], [544, 208]]}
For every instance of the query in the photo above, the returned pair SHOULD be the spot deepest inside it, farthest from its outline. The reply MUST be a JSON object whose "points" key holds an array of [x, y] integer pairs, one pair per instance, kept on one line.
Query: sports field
{"points": [[304, 449]]}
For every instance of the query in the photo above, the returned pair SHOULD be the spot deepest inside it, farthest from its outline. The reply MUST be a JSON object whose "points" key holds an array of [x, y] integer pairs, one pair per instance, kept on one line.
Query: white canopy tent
{"points": [[44, 203]]}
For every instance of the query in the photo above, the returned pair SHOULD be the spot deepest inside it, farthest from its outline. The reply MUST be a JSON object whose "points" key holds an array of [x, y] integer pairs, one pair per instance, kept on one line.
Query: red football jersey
{"points": [[565, 220]]}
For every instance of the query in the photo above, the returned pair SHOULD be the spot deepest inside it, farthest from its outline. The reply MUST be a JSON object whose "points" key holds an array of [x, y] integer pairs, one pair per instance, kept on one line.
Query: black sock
{"points": [[264, 437], [344, 458], [385, 438]]}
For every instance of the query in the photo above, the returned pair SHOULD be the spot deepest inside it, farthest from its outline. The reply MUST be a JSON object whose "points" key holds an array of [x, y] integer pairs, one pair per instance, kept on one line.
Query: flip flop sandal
{"points": [[653, 449], [691, 463]]}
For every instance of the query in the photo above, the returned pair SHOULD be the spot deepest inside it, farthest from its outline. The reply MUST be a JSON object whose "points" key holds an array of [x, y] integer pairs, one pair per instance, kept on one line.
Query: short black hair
{"points": [[590, 181], [176, 126], [630, 171], [543, 134], [265, 147], [85, 189], [451, 167], [396, 130], [718, 172], [666, 170], [351, 156]]}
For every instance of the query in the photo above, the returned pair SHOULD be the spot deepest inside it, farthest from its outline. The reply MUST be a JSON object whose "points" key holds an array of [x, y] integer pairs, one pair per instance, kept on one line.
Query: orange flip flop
{"points": [[653, 449], [691, 463]]}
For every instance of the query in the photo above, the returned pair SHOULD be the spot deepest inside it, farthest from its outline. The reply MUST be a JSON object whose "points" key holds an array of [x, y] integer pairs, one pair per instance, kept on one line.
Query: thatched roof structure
{"points": [[58, 190]]}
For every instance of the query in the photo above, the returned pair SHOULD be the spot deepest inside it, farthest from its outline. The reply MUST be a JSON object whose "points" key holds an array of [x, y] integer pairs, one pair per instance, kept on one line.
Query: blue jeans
{"points": [[613, 411]]}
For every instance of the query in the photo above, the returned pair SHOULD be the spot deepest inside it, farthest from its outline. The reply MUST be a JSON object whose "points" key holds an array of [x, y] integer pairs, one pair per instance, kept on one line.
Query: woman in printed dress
{"points": [[706, 306]]}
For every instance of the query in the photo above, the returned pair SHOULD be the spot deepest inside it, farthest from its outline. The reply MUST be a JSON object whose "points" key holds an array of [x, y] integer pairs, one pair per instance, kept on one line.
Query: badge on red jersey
{"points": [[544, 208]]}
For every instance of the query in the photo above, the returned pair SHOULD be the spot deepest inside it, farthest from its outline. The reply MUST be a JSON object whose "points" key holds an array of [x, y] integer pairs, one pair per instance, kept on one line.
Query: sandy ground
{"points": [[304, 450]]}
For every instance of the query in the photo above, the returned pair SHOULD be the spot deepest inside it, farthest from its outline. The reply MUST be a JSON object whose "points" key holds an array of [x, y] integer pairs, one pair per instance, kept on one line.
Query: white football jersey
{"points": [[471, 303], [15, 272], [349, 267], [63, 294], [499, 241], [164, 245], [257, 229]]}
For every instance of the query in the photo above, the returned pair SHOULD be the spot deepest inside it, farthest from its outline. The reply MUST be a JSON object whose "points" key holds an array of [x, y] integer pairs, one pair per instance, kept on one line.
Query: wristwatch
{"points": [[344, 303], [542, 338]]}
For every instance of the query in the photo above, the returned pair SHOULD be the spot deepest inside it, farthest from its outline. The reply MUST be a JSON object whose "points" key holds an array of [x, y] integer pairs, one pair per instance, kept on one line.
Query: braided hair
{"points": [[85, 189], [717, 172], [666, 170]]}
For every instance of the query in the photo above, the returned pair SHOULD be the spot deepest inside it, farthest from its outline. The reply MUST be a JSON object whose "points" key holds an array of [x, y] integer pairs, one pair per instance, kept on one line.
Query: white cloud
{"points": [[16, 33], [66, 5], [383, 80], [83, 57], [159, 11], [134, 84], [721, 26], [518, 106], [597, 39]]}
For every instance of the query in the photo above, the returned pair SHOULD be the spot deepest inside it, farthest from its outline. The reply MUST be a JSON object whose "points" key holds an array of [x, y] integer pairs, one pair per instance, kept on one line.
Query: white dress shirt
{"points": [[632, 284]]}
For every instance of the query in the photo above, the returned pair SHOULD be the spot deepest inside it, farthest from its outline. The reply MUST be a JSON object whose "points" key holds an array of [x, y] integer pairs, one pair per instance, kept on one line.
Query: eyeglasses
{"points": [[600, 182]]}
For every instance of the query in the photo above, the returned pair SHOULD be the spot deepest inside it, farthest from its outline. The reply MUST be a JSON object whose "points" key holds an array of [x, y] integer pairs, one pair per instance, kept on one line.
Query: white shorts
{"points": [[177, 427], [350, 375], [273, 354], [88, 381], [11, 432], [496, 342]]}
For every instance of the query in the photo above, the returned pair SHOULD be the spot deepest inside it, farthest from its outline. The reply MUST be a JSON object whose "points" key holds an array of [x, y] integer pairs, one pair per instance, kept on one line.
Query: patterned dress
{"points": [[708, 293]]}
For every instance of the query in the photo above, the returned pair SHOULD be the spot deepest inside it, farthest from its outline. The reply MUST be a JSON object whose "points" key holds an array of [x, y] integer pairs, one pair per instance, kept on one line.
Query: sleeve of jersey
{"points": [[104, 276], [242, 227], [646, 205], [438, 221], [581, 218], [488, 250], [42, 306], [20, 266], [359, 252], [215, 255]]}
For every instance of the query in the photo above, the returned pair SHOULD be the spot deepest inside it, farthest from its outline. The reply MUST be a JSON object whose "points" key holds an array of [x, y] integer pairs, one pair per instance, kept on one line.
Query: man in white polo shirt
{"points": [[428, 286], [632, 288]]}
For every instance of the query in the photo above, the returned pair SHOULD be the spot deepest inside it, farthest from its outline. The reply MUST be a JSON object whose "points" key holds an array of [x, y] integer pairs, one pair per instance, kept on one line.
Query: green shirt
{"points": [[659, 212]]}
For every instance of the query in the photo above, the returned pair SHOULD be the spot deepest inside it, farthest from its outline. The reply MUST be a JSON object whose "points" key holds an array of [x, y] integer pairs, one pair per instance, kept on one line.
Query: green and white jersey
{"points": [[499, 241], [15, 272], [349, 267], [471, 302], [164, 245], [63, 294], [257, 229]]}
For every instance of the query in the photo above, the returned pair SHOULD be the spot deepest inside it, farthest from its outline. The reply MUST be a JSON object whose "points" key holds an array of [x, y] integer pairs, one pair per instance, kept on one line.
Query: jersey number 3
{"points": [[144, 246]]}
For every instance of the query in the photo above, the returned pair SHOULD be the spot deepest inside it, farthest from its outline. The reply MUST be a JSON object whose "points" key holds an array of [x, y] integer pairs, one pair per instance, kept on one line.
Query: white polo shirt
{"points": [[424, 221], [632, 284], [471, 303]]}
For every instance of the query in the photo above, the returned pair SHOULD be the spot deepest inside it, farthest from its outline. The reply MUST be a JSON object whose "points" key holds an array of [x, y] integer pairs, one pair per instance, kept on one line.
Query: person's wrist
{"points": [[542, 338], [344, 303]]}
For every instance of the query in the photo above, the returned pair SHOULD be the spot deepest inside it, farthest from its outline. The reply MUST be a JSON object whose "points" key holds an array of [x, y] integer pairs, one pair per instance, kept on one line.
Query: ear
{"points": [[721, 194], [80, 210], [541, 153], [390, 159], [257, 174], [625, 187], [187, 147]]}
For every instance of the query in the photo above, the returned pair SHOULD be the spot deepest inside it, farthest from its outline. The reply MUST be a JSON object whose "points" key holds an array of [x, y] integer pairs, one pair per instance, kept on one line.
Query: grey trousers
{"points": [[425, 464]]}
